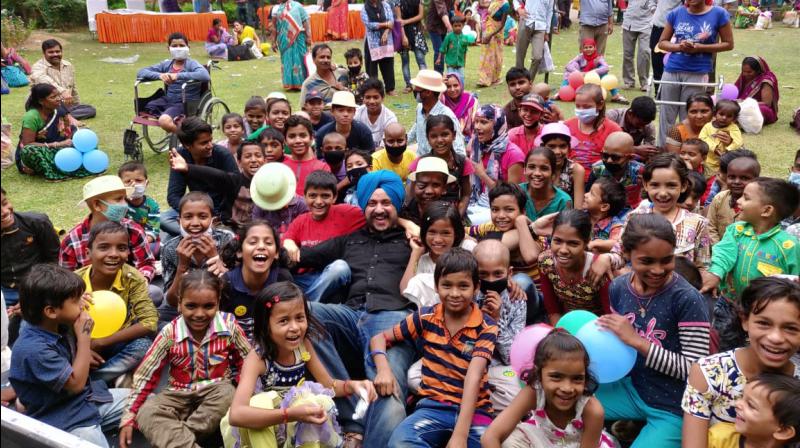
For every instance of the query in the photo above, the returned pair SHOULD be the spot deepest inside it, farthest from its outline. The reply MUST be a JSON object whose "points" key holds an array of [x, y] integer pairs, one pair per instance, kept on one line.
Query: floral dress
{"points": [[565, 180], [539, 431]]}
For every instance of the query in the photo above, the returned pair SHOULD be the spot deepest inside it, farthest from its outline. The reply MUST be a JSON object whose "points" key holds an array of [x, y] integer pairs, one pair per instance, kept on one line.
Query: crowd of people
{"points": [[325, 275]]}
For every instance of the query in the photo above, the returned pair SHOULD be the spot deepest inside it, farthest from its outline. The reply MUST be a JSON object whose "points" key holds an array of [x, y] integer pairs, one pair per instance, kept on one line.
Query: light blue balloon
{"points": [[610, 359], [68, 160], [95, 161], [85, 140]]}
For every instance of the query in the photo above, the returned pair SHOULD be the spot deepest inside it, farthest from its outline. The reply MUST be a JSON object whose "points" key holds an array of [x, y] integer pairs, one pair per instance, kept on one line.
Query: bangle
{"points": [[285, 416], [346, 393], [372, 354]]}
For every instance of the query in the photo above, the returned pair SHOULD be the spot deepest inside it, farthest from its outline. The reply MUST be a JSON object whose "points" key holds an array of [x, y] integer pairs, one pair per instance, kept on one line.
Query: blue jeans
{"points": [[10, 295], [349, 333], [459, 70], [419, 55], [535, 308], [436, 41], [170, 225], [321, 286], [110, 413], [431, 425], [120, 359]]}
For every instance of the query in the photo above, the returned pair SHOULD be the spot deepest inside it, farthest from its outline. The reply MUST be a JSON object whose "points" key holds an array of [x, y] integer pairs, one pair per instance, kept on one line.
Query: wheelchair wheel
{"points": [[212, 112], [156, 138], [132, 144]]}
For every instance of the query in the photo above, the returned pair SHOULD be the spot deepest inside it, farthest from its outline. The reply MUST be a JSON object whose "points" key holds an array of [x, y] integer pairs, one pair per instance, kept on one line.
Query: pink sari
{"points": [[753, 90], [337, 20]]}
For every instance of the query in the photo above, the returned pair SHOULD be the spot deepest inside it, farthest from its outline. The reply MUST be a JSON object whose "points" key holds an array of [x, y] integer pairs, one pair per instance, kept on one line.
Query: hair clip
{"points": [[275, 299]]}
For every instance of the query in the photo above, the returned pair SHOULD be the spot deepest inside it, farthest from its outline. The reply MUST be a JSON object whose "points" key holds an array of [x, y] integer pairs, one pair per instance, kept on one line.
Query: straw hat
{"points": [[429, 80], [345, 99], [102, 185], [432, 164], [557, 128], [273, 186]]}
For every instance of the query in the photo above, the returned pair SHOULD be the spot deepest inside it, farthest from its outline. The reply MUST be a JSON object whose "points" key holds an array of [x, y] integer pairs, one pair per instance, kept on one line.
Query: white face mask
{"points": [[138, 191], [179, 53]]}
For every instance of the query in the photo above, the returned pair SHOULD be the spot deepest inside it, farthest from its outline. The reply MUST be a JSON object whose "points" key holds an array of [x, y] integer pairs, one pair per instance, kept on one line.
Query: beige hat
{"points": [[342, 98], [432, 164], [273, 186], [102, 185], [429, 80], [275, 96]]}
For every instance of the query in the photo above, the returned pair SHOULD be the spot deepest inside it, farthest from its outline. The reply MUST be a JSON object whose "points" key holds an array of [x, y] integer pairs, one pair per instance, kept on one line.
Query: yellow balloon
{"points": [[108, 312], [609, 82], [605, 93], [591, 78]]}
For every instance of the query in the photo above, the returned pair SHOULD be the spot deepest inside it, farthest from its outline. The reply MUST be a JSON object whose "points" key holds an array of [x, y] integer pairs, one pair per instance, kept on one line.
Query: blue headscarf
{"points": [[387, 180]]}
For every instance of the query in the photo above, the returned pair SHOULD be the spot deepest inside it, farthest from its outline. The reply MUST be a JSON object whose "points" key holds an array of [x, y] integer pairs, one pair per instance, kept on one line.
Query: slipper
{"points": [[620, 100]]}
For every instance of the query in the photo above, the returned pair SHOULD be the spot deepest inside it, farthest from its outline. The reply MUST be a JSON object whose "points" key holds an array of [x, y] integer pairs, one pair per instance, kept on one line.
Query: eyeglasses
{"points": [[611, 157]]}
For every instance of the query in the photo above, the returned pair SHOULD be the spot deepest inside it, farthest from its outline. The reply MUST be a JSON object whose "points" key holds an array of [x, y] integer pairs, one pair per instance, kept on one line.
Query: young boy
{"points": [[552, 113], [357, 163], [51, 359], [720, 180], [722, 134], [606, 204], [334, 146], [355, 77], [767, 415], [454, 47], [372, 113], [274, 197], [325, 220], [142, 209], [723, 210], [395, 156], [358, 135], [273, 142], [694, 152], [637, 121], [616, 161], [203, 348], [301, 160], [120, 352], [454, 390], [314, 106], [697, 189], [255, 115], [174, 72], [519, 84]]}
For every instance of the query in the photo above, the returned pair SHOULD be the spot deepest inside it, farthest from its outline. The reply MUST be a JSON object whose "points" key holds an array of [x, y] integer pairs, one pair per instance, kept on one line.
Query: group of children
{"points": [[691, 259]]}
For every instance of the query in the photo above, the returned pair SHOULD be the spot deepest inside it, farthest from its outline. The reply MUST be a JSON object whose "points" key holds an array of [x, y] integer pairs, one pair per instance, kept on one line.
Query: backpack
{"points": [[239, 53]]}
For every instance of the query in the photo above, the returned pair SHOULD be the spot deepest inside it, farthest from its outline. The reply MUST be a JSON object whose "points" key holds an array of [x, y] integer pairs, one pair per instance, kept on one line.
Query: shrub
{"points": [[59, 14], [14, 30]]}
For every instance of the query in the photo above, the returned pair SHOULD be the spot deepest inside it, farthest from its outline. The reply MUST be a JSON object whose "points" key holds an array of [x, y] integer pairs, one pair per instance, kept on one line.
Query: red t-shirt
{"points": [[341, 220], [303, 168], [589, 146]]}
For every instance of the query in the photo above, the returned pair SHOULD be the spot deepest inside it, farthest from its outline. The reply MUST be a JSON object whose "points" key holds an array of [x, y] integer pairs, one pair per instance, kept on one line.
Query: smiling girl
{"points": [[233, 128], [543, 196], [278, 111], [568, 174]]}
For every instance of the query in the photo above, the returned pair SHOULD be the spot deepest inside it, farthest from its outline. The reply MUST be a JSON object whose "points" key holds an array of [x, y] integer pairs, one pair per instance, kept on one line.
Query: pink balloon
{"points": [[575, 80], [566, 93], [524, 346], [729, 92]]}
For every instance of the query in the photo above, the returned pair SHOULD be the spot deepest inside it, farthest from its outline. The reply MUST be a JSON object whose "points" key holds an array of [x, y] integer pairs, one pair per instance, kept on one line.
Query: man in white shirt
{"points": [[535, 17], [53, 69]]}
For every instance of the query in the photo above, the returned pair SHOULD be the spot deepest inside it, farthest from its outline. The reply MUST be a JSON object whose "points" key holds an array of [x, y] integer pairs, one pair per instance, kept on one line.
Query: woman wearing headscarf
{"points": [[378, 43], [495, 160], [463, 104], [757, 81]]}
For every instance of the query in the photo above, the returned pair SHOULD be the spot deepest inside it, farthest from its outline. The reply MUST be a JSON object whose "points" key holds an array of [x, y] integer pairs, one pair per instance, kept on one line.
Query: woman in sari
{"points": [[293, 37], [45, 130], [337, 20], [463, 104], [757, 81], [492, 48]]}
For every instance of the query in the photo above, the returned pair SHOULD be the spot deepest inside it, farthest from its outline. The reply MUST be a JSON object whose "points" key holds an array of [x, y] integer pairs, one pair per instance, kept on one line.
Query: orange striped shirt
{"points": [[446, 357]]}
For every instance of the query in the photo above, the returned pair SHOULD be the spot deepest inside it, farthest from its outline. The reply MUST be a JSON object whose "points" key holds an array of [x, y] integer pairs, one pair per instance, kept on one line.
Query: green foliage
{"points": [[56, 14], [14, 30]]}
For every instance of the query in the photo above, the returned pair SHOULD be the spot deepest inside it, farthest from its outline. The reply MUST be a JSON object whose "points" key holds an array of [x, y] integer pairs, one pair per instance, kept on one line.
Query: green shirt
{"points": [[741, 256], [560, 201], [33, 120], [454, 48], [146, 215]]}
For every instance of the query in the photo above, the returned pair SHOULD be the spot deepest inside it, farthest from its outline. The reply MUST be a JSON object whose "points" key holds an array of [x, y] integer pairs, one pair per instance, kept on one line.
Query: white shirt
{"points": [[384, 119]]}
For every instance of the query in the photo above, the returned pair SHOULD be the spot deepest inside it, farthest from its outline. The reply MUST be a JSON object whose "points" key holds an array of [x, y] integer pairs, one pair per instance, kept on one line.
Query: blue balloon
{"points": [[68, 160], [610, 358], [95, 161], [85, 140]]}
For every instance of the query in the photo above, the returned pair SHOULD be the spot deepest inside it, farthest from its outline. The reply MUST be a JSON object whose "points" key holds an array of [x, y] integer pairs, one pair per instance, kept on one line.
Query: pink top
{"points": [[303, 168], [517, 136], [589, 146]]}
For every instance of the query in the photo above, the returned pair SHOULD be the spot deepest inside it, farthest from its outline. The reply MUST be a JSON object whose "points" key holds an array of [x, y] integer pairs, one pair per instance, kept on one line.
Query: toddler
{"points": [[721, 134], [454, 48], [552, 113]]}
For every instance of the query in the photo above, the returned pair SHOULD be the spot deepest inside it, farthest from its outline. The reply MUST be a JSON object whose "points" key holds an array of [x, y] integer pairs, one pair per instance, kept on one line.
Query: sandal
{"points": [[353, 440], [619, 99]]}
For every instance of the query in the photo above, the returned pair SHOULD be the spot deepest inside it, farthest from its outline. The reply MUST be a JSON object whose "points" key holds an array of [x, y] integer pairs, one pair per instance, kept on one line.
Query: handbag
{"points": [[239, 53], [14, 76], [547, 65]]}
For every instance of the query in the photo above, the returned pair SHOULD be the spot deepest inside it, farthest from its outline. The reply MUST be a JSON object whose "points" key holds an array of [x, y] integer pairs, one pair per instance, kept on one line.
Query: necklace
{"points": [[643, 307]]}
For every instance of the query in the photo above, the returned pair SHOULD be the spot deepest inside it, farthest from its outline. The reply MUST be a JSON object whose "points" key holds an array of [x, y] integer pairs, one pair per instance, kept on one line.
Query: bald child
{"points": [[616, 161], [395, 156], [552, 113]]}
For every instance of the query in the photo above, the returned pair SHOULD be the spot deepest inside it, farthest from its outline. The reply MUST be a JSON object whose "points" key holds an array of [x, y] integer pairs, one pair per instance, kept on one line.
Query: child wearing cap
{"points": [[531, 108], [568, 174], [314, 105], [358, 135], [273, 190]]}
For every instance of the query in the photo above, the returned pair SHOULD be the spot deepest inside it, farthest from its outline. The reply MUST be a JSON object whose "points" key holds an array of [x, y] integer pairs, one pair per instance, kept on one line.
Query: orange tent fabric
{"points": [[319, 24], [125, 28]]}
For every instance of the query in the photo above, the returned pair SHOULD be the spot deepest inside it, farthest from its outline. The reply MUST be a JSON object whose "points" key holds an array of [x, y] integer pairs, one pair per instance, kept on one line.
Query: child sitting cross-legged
{"points": [[120, 352], [591, 60], [51, 358], [202, 347], [605, 202], [283, 357], [455, 403]]}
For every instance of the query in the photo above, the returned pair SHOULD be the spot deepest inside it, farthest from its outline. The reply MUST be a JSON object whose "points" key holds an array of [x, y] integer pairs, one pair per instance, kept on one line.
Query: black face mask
{"points": [[355, 174], [613, 167], [354, 70], [333, 157], [497, 286], [396, 151]]}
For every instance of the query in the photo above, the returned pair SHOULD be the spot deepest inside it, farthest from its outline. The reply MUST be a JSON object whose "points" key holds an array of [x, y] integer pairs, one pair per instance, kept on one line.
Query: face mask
{"points": [[497, 286], [794, 179], [138, 191], [396, 151], [179, 53], [355, 174], [333, 157], [586, 116], [114, 212], [354, 70], [184, 233], [613, 167]]}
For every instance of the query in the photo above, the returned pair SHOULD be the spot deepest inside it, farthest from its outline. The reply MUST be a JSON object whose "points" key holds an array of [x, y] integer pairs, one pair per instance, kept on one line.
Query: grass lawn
{"points": [[109, 87]]}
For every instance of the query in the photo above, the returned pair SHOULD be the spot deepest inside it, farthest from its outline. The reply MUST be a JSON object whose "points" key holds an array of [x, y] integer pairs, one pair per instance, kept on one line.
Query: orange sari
{"points": [[337, 20]]}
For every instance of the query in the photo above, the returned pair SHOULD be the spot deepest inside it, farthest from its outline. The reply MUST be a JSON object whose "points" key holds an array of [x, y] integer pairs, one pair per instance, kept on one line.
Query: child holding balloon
{"points": [[770, 308], [117, 351], [665, 319], [558, 397], [587, 61]]}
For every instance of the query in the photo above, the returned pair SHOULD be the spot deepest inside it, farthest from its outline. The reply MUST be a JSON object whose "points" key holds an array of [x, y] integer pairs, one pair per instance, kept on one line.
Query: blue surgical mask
{"points": [[586, 116], [794, 178], [114, 212]]}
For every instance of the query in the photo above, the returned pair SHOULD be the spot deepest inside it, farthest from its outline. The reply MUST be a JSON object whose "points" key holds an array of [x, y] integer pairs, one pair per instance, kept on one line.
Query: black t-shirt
{"points": [[360, 137]]}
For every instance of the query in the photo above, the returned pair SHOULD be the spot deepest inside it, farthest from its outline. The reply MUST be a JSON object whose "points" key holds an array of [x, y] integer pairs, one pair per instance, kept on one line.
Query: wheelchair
{"points": [[208, 107]]}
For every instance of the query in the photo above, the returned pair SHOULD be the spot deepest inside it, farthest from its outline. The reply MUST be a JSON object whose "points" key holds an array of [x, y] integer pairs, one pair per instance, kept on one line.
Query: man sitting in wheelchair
{"points": [[174, 72]]}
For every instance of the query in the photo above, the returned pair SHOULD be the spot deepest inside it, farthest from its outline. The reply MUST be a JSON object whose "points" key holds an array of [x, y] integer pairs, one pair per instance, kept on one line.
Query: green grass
{"points": [[109, 87]]}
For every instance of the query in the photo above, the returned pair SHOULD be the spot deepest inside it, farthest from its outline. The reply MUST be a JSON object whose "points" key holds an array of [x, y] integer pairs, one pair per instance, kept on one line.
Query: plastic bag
{"points": [[750, 119], [14, 76], [547, 64]]}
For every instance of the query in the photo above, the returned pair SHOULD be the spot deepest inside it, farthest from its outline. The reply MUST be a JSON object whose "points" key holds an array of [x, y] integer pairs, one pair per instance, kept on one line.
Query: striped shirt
{"points": [[445, 358], [192, 364]]}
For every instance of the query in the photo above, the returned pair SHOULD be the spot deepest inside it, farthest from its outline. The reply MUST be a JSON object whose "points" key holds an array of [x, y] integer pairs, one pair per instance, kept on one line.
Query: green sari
{"points": [[290, 18]]}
